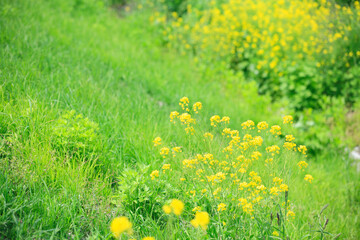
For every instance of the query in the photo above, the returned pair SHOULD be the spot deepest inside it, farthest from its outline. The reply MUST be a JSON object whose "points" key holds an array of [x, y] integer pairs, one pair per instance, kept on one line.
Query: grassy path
{"points": [[56, 57]]}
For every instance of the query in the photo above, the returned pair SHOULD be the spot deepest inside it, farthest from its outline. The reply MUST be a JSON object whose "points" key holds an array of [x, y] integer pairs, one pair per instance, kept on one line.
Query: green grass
{"points": [[57, 56]]}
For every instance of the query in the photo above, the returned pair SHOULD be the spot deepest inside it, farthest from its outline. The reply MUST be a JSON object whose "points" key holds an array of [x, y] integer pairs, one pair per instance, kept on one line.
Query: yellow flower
{"points": [[284, 187], [248, 124], [302, 149], [209, 135], [262, 125], [120, 225], [225, 119], [289, 145], [173, 116], [215, 119], [166, 209], [302, 164], [177, 206], [275, 233], [197, 106], [308, 178], [164, 151], [288, 119], [148, 238], [289, 138], [154, 174], [201, 219], [290, 214], [221, 207], [275, 130], [157, 141], [184, 103]]}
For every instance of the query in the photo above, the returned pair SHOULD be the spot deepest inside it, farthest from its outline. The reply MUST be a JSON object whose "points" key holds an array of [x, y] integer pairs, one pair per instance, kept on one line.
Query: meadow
{"points": [[109, 129]]}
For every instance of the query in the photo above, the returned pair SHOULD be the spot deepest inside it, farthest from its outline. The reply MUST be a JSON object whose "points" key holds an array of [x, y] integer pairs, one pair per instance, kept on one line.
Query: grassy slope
{"points": [[54, 58]]}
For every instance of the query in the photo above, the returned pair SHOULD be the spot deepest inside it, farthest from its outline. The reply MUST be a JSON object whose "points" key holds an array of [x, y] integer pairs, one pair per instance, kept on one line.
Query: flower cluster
{"points": [[239, 173]]}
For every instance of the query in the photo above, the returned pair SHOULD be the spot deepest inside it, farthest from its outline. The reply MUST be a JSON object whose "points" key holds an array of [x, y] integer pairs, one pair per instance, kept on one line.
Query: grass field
{"points": [[68, 179]]}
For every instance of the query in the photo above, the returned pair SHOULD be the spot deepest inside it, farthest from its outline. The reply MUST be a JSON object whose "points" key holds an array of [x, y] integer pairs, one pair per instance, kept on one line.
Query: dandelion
{"points": [[308, 178], [148, 238], [120, 225], [177, 206], [167, 209], [157, 141], [201, 219]]}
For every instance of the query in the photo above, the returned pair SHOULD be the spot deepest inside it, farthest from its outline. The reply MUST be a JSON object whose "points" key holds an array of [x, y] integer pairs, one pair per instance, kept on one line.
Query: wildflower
{"points": [[275, 233], [173, 116], [177, 206], [288, 119], [157, 141], [274, 191], [166, 167], [289, 138], [277, 180], [284, 187], [167, 209], [148, 238], [273, 149], [308, 178], [214, 120], [225, 119], [120, 225], [164, 151], [201, 219], [185, 118], [154, 174], [196, 209], [221, 207], [182, 179], [190, 130], [209, 135], [197, 106], [302, 149], [302, 164], [262, 125], [248, 124], [275, 130], [290, 214], [289, 145], [184, 102]]}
